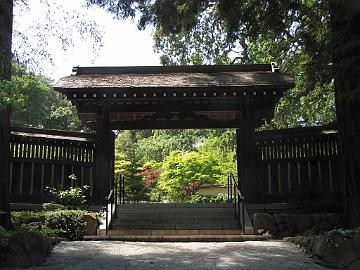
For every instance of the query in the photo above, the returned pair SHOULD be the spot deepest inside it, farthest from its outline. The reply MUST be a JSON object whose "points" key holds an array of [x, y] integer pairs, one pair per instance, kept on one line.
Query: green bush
{"points": [[4, 241], [70, 223], [197, 198], [27, 217], [72, 197]]}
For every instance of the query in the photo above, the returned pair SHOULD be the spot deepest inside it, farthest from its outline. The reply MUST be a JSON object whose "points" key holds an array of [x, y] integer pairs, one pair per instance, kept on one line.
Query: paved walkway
{"points": [[269, 255]]}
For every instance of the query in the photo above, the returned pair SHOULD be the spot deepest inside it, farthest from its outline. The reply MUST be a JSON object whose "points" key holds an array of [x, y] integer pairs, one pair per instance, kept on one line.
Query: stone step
{"points": [[175, 232], [174, 211], [176, 221], [175, 205], [162, 216], [174, 226], [179, 238]]}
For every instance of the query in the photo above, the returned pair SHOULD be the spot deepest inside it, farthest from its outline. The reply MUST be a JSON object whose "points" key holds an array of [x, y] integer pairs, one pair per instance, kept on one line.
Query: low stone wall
{"points": [[341, 251], [287, 224]]}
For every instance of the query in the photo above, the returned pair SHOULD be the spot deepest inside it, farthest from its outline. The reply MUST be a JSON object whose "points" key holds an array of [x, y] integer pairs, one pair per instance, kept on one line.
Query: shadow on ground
{"points": [[150, 255]]}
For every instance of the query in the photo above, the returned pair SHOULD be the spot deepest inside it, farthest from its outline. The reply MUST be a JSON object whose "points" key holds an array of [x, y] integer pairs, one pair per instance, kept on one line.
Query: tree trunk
{"points": [[6, 16], [345, 16]]}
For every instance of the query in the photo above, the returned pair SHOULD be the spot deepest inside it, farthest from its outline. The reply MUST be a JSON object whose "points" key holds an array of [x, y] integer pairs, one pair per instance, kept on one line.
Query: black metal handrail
{"points": [[116, 196], [234, 196]]}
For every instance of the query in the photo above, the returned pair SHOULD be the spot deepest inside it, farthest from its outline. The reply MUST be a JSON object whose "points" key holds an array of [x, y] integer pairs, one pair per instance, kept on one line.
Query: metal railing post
{"points": [[239, 210], [243, 215], [228, 188], [235, 198], [123, 187], [106, 218], [231, 188], [115, 198]]}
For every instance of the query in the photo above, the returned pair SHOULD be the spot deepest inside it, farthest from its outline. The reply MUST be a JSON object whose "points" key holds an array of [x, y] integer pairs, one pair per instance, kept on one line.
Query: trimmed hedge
{"points": [[68, 224]]}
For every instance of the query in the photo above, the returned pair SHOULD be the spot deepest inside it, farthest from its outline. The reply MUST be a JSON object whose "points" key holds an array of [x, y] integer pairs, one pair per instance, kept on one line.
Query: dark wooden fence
{"points": [[45, 158], [297, 160], [288, 161]]}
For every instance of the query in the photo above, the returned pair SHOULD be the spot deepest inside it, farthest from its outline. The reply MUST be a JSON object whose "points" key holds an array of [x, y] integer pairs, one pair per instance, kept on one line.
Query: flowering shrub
{"points": [[72, 197]]}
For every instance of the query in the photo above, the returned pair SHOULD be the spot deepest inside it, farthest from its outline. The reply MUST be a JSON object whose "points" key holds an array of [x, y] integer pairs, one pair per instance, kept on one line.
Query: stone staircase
{"points": [[177, 222]]}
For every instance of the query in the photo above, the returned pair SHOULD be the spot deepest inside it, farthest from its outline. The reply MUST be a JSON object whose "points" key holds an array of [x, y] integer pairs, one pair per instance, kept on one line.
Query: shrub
{"points": [[197, 198], [27, 217], [4, 240], [72, 197], [69, 223]]}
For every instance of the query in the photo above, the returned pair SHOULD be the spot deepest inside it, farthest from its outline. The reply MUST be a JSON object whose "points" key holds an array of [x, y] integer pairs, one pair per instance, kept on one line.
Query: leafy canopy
{"points": [[182, 173], [38, 105]]}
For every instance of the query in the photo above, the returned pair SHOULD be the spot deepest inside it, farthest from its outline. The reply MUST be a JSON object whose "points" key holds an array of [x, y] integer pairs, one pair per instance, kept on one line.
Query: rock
{"points": [[303, 222], [91, 225], [335, 252], [334, 219], [52, 206], [27, 249], [315, 219], [289, 239], [324, 225], [265, 221]]}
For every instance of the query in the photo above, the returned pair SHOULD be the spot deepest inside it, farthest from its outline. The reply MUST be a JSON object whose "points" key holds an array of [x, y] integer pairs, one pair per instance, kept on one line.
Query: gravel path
{"points": [[269, 255]]}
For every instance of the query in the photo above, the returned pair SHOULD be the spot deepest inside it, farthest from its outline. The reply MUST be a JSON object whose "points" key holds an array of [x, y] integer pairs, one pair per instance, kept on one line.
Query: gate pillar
{"points": [[246, 162], [104, 156]]}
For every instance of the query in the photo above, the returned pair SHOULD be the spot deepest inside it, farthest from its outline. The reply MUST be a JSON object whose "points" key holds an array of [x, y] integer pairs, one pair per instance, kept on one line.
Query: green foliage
{"points": [[184, 172], [205, 44], [38, 104], [134, 184], [10, 94], [69, 224], [197, 198], [222, 143], [27, 217], [4, 241], [162, 142], [72, 197], [136, 149], [157, 194]]}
